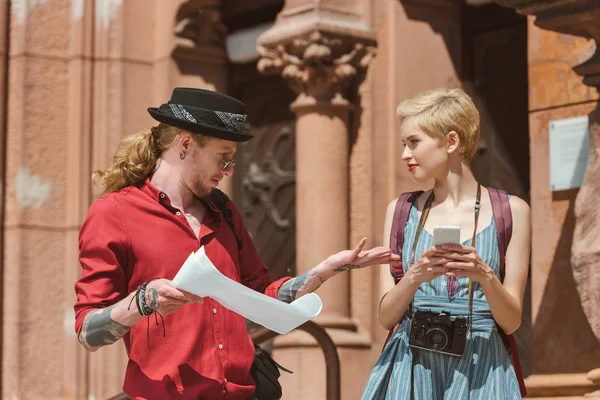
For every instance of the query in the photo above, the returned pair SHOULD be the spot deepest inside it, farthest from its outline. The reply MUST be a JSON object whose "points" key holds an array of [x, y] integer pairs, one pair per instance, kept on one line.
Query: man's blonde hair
{"points": [[440, 111], [137, 156]]}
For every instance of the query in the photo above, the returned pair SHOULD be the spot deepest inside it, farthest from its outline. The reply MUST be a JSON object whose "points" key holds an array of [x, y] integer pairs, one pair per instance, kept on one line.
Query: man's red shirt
{"points": [[134, 235]]}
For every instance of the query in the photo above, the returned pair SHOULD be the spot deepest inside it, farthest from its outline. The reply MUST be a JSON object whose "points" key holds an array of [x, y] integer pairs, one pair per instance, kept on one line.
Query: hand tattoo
{"points": [[99, 329], [152, 299], [296, 287], [346, 267]]}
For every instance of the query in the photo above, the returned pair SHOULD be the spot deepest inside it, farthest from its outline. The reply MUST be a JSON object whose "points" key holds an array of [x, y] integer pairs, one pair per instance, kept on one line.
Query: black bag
{"points": [[265, 370]]}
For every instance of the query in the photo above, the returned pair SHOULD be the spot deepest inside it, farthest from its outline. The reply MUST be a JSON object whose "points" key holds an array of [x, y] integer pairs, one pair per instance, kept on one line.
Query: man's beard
{"points": [[201, 190]]}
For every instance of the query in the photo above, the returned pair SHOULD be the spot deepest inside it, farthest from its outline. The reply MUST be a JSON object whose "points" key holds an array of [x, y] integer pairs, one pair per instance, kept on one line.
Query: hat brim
{"points": [[198, 127]]}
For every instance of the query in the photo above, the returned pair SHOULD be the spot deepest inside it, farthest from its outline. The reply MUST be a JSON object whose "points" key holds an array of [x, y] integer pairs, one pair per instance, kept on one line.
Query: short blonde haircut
{"points": [[440, 111]]}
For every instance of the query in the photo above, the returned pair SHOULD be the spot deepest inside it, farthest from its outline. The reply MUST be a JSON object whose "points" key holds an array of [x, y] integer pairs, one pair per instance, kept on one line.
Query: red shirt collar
{"points": [[163, 198]]}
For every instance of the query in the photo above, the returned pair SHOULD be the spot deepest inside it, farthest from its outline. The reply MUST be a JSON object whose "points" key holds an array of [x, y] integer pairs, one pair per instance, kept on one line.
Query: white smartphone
{"points": [[446, 235]]}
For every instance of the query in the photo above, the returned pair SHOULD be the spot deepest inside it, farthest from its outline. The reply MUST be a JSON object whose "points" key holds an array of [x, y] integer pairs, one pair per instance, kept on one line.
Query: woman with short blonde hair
{"points": [[440, 111], [459, 294]]}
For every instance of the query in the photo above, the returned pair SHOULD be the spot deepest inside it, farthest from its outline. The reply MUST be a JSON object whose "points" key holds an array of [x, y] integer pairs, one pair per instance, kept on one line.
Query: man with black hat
{"points": [[161, 204]]}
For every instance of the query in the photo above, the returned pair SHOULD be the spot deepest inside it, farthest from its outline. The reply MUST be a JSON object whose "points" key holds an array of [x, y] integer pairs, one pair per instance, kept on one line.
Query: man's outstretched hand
{"points": [[359, 258]]}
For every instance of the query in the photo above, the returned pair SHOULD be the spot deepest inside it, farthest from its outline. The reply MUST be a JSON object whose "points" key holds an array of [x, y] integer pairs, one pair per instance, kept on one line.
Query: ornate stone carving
{"points": [[198, 24], [318, 65], [585, 251], [580, 18], [590, 70], [574, 17], [264, 181]]}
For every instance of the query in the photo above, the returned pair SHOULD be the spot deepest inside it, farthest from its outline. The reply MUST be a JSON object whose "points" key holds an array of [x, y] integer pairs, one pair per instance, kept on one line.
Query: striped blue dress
{"points": [[485, 371]]}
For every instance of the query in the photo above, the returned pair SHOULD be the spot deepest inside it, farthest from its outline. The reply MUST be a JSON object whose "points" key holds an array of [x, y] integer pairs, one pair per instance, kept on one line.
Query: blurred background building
{"points": [[321, 79]]}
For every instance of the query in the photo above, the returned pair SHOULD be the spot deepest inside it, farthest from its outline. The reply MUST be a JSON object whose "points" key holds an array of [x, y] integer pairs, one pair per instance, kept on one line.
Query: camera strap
{"points": [[422, 221]]}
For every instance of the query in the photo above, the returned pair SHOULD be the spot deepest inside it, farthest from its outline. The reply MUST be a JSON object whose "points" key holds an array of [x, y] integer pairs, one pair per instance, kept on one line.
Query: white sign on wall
{"points": [[569, 149]]}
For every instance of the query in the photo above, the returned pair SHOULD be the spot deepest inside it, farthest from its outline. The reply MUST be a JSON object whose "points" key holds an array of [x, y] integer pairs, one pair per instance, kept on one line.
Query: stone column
{"points": [[46, 192], [4, 46], [579, 18], [322, 197], [322, 50], [320, 65]]}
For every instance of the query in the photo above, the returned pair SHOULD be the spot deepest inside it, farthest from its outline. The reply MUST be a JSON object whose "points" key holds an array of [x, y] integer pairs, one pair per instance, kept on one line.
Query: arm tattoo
{"points": [[346, 267], [99, 329], [297, 287], [152, 299]]}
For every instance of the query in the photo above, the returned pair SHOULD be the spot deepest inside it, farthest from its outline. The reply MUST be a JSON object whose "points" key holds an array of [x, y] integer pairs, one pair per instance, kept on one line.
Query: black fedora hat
{"points": [[206, 112]]}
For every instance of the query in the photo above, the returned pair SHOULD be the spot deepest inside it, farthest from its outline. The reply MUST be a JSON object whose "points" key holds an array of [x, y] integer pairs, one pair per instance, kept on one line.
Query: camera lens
{"points": [[437, 338]]}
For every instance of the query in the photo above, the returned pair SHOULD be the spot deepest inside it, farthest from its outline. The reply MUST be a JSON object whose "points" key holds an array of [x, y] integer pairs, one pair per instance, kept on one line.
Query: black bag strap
{"points": [[221, 200]]}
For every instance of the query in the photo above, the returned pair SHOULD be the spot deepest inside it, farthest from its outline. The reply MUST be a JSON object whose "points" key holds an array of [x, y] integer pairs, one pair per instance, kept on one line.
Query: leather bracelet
{"points": [[142, 306], [137, 300]]}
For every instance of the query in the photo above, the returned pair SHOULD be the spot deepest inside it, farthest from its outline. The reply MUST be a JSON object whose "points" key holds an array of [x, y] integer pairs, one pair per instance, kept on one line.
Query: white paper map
{"points": [[199, 276]]}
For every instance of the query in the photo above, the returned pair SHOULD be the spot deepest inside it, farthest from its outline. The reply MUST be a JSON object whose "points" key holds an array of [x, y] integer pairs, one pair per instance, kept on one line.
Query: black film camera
{"points": [[438, 332]]}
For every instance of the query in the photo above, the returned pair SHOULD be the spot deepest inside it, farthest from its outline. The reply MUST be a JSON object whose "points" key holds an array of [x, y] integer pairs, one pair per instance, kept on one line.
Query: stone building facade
{"points": [[321, 80]]}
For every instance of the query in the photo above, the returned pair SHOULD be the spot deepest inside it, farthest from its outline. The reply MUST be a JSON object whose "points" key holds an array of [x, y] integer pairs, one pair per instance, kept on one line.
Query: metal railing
{"points": [[332, 360]]}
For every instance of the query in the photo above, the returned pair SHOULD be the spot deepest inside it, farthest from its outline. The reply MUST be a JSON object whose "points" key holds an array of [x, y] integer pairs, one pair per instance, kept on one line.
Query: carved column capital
{"points": [[573, 17], [318, 65], [199, 31], [320, 49]]}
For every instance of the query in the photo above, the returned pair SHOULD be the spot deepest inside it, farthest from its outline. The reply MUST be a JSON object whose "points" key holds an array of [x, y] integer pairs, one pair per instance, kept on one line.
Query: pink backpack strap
{"points": [[504, 223], [503, 219], [401, 214]]}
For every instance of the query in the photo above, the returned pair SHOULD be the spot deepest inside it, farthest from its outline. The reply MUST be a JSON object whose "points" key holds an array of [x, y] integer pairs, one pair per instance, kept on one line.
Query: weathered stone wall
{"points": [[556, 92]]}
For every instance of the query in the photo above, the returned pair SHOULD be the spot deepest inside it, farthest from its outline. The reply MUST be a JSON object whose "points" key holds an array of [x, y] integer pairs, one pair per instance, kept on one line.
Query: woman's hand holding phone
{"points": [[449, 257], [465, 261], [428, 267]]}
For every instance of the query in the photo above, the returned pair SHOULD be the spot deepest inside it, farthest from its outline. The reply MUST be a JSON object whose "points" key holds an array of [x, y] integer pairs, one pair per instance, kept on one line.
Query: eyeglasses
{"points": [[227, 164]]}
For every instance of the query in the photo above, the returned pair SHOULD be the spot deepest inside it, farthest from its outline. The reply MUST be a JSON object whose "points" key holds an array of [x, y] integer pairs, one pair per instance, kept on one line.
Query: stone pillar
{"points": [[320, 66], [579, 18], [46, 191], [322, 198], [322, 50], [122, 80], [4, 23]]}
